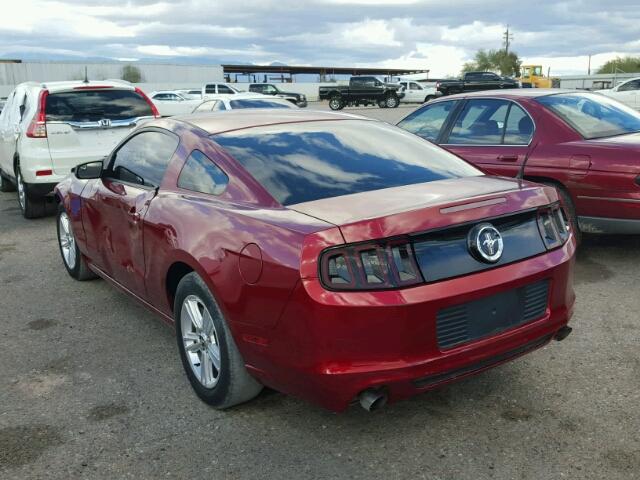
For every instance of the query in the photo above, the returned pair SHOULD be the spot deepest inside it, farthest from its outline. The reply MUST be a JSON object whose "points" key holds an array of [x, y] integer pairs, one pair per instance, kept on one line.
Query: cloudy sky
{"points": [[439, 35]]}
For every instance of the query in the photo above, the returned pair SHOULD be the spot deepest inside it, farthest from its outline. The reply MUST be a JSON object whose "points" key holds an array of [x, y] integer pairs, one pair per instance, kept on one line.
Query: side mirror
{"points": [[88, 171]]}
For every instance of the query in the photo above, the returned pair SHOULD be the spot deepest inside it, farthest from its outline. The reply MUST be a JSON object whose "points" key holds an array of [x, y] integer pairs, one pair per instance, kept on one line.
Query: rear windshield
{"points": [[593, 115], [259, 104], [94, 105], [308, 161]]}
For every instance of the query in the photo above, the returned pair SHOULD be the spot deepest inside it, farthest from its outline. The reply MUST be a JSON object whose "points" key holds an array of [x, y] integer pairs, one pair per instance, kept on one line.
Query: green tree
{"points": [[624, 64], [497, 61], [131, 74]]}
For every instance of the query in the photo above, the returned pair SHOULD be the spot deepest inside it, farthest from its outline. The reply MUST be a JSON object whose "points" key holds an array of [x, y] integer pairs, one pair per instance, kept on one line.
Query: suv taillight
{"points": [[369, 266], [38, 126], [554, 226], [154, 110]]}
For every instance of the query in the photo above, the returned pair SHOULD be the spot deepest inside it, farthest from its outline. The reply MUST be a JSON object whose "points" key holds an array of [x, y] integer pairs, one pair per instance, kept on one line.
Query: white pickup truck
{"points": [[415, 92]]}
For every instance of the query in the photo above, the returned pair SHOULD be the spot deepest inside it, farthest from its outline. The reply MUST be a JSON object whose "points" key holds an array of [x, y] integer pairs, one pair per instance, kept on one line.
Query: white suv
{"points": [[47, 129]]}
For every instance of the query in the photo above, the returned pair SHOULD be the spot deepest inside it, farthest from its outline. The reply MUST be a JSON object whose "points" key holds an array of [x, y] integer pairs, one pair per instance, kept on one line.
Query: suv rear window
{"points": [[313, 160], [94, 105]]}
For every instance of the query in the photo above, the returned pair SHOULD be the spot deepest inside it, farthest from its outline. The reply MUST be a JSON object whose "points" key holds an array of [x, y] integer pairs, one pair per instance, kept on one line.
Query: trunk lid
{"points": [[417, 208]]}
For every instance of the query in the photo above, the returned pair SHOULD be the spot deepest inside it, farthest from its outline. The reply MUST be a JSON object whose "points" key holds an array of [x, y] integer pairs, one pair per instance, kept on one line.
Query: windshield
{"points": [[259, 103], [593, 115], [308, 161], [94, 105]]}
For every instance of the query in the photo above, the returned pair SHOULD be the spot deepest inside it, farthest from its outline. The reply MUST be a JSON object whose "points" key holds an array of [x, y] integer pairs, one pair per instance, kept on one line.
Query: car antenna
{"points": [[86, 75], [520, 175]]}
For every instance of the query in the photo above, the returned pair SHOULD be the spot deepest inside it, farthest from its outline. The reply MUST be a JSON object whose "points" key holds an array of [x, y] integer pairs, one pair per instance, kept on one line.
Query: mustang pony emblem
{"points": [[485, 243]]}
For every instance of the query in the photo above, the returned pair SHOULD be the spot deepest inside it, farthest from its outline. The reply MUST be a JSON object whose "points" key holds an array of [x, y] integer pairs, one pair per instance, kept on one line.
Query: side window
{"points": [[414, 86], [427, 121], [224, 89], [481, 122], [210, 89], [519, 128], [205, 107], [144, 158], [200, 174], [632, 85]]}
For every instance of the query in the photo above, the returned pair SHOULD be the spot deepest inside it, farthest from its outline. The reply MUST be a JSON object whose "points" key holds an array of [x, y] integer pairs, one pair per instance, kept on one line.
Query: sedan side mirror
{"points": [[88, 171]]}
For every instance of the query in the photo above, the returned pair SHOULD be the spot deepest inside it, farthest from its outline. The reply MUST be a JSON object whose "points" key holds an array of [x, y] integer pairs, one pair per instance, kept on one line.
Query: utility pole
{"points": [[508, 38], [589, 67]]}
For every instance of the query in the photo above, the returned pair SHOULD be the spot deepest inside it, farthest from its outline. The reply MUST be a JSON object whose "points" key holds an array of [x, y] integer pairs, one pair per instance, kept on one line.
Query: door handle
{"points": [[508, 158]]}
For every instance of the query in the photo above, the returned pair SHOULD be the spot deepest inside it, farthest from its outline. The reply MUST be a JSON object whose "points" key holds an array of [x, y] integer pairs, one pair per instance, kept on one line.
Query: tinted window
{"points": [[519, 127], [313, 160], [247, 103], [210, 89], [224, 89], [631, 85], [256, 88], [593, 115], [144, 158], [427, 121], [94, 105], [200, 174], [480, 123]]}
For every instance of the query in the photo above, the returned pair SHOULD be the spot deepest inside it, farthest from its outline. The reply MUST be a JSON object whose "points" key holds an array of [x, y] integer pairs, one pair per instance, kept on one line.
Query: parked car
{"points": [[48, 128], [475, 81], [193, 94], [414, 92], [362, 91], [218, 89], [585, 144], [327, 256], [626, 92], [298, 99], [171, 103], [225, 102]]}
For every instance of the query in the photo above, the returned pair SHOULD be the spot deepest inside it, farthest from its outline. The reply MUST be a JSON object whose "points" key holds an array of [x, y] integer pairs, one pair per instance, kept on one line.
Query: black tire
{"points": [[569, 208], [234, 385], [79, 268], [382, 103], [336, 103], [5, 184], [428, 98], [392, 101], [30, 205]]}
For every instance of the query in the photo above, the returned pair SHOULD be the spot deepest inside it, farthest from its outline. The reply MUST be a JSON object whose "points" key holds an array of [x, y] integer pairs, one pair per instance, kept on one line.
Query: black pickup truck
{"points": [[475, 81], [362, 91]]}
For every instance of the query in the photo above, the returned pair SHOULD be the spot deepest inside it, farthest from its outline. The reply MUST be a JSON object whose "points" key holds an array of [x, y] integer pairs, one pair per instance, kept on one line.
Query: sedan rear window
{"points": [[593, 115], [259, 104], [309, 161], [94, 105]]}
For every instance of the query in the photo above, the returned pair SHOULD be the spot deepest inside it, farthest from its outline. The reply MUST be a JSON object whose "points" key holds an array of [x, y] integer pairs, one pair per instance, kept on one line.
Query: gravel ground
{"points": [[92, 387]]}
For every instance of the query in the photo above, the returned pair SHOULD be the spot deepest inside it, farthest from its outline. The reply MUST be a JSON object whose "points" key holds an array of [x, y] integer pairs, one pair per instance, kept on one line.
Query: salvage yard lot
{"points": [[92, 387]]}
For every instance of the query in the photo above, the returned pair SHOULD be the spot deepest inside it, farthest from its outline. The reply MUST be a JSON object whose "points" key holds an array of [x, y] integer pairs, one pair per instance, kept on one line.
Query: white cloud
{"points": [[440, 60], [572, 65]]}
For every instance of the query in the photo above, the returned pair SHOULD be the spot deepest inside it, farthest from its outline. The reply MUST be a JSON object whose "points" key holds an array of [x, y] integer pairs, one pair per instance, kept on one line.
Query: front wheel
{"points": [[392, 101], [382, 103], [31, 207], [73, 260], [208, 352], [335, 103]]}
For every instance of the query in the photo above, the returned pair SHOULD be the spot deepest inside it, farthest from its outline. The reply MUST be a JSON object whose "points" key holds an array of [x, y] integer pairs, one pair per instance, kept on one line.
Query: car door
{"points": [[493, 134], [116, 204], [413, 92]]}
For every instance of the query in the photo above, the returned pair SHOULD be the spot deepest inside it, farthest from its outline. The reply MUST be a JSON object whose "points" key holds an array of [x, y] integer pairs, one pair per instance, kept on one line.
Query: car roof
{"points": [[71, 85], [512, 93], [218, 122]]}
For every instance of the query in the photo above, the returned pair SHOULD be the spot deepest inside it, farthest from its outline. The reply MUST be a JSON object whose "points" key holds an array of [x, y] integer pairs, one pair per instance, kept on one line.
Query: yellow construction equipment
{"points": [[531, 76]]}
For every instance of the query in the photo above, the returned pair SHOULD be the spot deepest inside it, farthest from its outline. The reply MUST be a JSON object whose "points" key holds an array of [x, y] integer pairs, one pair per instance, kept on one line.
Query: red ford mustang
{"points": [[585, 144], [325, 255]]}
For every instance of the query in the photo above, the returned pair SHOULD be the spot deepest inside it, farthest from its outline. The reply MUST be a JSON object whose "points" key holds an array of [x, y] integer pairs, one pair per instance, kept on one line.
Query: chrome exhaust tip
{"points": [[372, 399]]}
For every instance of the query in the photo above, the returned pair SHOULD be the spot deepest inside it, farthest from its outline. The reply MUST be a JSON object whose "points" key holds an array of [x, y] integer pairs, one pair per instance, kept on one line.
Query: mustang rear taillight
{"points": [[369, 266], [38, 126], [554, 226]]}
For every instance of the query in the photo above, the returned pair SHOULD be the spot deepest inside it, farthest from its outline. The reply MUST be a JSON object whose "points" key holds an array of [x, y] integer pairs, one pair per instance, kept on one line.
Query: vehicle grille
{"points": [[491, 315]]}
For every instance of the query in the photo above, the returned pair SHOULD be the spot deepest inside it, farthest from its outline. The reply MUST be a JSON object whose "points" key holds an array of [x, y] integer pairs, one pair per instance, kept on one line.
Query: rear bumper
{"points": [[330, 346]]}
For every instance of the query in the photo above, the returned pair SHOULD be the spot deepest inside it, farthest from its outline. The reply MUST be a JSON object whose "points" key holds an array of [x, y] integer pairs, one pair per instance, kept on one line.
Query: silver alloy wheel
{"points": [[392, 101], [200, 338], [67, 241], [21, 191]]}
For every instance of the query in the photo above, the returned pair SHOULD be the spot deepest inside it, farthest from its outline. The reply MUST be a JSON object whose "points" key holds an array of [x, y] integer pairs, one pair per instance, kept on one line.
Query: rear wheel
{"points": [[382, 103], [31, 207], [208, 352], [5, 184], [335, 103]]}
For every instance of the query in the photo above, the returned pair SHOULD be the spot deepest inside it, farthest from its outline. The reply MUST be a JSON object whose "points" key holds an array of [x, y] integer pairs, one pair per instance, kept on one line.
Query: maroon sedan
{"points": [[585, 144], [325, 255]]}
